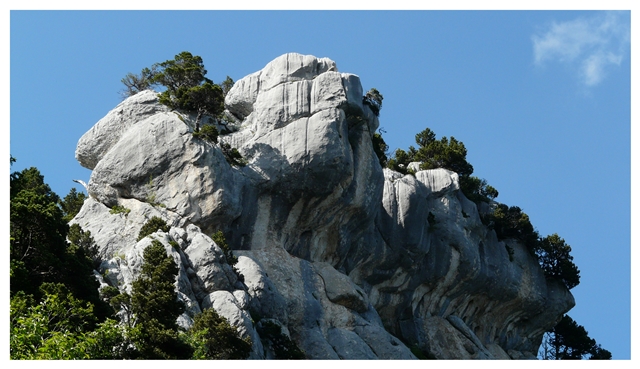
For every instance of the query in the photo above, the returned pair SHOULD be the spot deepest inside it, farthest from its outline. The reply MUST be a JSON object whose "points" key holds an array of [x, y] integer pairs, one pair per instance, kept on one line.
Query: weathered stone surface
{"points": [[159, 162], [348, 258], [341, 290], [228, 306], [445, 342], [94, 144], [348, 345]]}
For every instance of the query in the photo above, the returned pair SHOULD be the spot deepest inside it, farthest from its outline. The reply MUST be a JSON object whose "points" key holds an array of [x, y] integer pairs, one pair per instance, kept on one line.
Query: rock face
{"points": [[350, 260]]}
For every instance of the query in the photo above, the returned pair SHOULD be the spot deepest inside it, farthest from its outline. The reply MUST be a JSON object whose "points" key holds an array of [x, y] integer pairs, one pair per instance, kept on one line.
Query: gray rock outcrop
{"points": [[353, 261]]}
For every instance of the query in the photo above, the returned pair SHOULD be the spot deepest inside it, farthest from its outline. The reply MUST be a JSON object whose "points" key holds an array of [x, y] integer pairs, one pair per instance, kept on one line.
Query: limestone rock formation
{"points": [[351, 260]]}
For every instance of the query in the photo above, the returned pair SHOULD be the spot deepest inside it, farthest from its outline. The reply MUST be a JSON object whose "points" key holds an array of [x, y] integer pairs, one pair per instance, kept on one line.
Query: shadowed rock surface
{"points": [[332, 248]]}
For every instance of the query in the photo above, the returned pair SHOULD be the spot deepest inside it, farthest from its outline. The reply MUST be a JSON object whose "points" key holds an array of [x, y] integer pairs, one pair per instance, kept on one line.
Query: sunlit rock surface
{"points": [[353, 261]]}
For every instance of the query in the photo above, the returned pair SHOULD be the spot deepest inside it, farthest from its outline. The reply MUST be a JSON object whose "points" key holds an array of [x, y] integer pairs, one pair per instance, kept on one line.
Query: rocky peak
{"points": [[352, 261]]}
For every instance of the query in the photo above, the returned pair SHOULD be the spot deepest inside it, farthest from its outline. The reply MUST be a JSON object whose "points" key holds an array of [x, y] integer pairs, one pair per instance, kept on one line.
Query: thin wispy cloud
{"points": [[592, 45]]}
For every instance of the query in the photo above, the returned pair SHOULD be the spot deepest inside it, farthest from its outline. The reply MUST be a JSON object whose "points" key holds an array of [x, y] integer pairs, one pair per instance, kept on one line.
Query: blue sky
{"points": [[541, 100]]}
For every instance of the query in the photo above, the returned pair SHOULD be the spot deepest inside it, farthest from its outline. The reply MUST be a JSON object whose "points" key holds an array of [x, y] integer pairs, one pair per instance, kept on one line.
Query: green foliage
{"points": [[207, 133], [187, 87], [477, 190], [226, 86], [36, 329], [400, 161], [570, 341], [155, 307], [556, 261], [119, 209], [213, 338], [552, 252], [83, 240], [153, 293], [373, 98], [185, 70], [232, 155], [174, 244], [135, 83], [282, 346], [151, 226], [512, 222], [447, 153], [37, 229], [72, 203], [221, 241], [380, 148], [39, 251]]}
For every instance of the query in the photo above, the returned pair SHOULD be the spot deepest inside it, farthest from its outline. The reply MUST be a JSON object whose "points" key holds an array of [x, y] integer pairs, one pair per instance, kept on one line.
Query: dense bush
{"points": [[477, 190], [232, 155], [513, 223], [153, 225], [186, 87], [281, 345], [208, 133], [72, 203], [556, 261], [214, 338], [447, 153], [119, 209], [221, 241], [552, 252]]}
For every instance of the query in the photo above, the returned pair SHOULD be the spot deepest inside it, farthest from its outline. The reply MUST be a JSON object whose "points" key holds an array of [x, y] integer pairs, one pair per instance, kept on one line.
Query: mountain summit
{"points": [[345, 259]]}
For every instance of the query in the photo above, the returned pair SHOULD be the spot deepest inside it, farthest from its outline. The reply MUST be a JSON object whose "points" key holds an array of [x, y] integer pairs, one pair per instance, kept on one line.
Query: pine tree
{"points": [[155, 307]]}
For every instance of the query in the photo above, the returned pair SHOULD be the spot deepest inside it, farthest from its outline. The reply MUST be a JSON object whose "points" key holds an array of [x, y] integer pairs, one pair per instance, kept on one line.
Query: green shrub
{"points": [[232, 155], [512, 222], [477, 190], [72, 203], [213, 338], [135, 83], [282, 346], [153, 225], [207, 133], [117, 209], [174, 244], [447, 153], [554, 255], [221, 241]]}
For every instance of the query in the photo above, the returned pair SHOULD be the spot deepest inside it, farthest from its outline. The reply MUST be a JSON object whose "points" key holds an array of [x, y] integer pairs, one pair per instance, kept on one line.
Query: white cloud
{"points": [[592, 45]]}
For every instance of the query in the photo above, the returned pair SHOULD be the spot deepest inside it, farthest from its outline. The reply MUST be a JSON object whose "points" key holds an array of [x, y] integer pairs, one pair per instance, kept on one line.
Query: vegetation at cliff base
{"points": [[57, 311]]}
